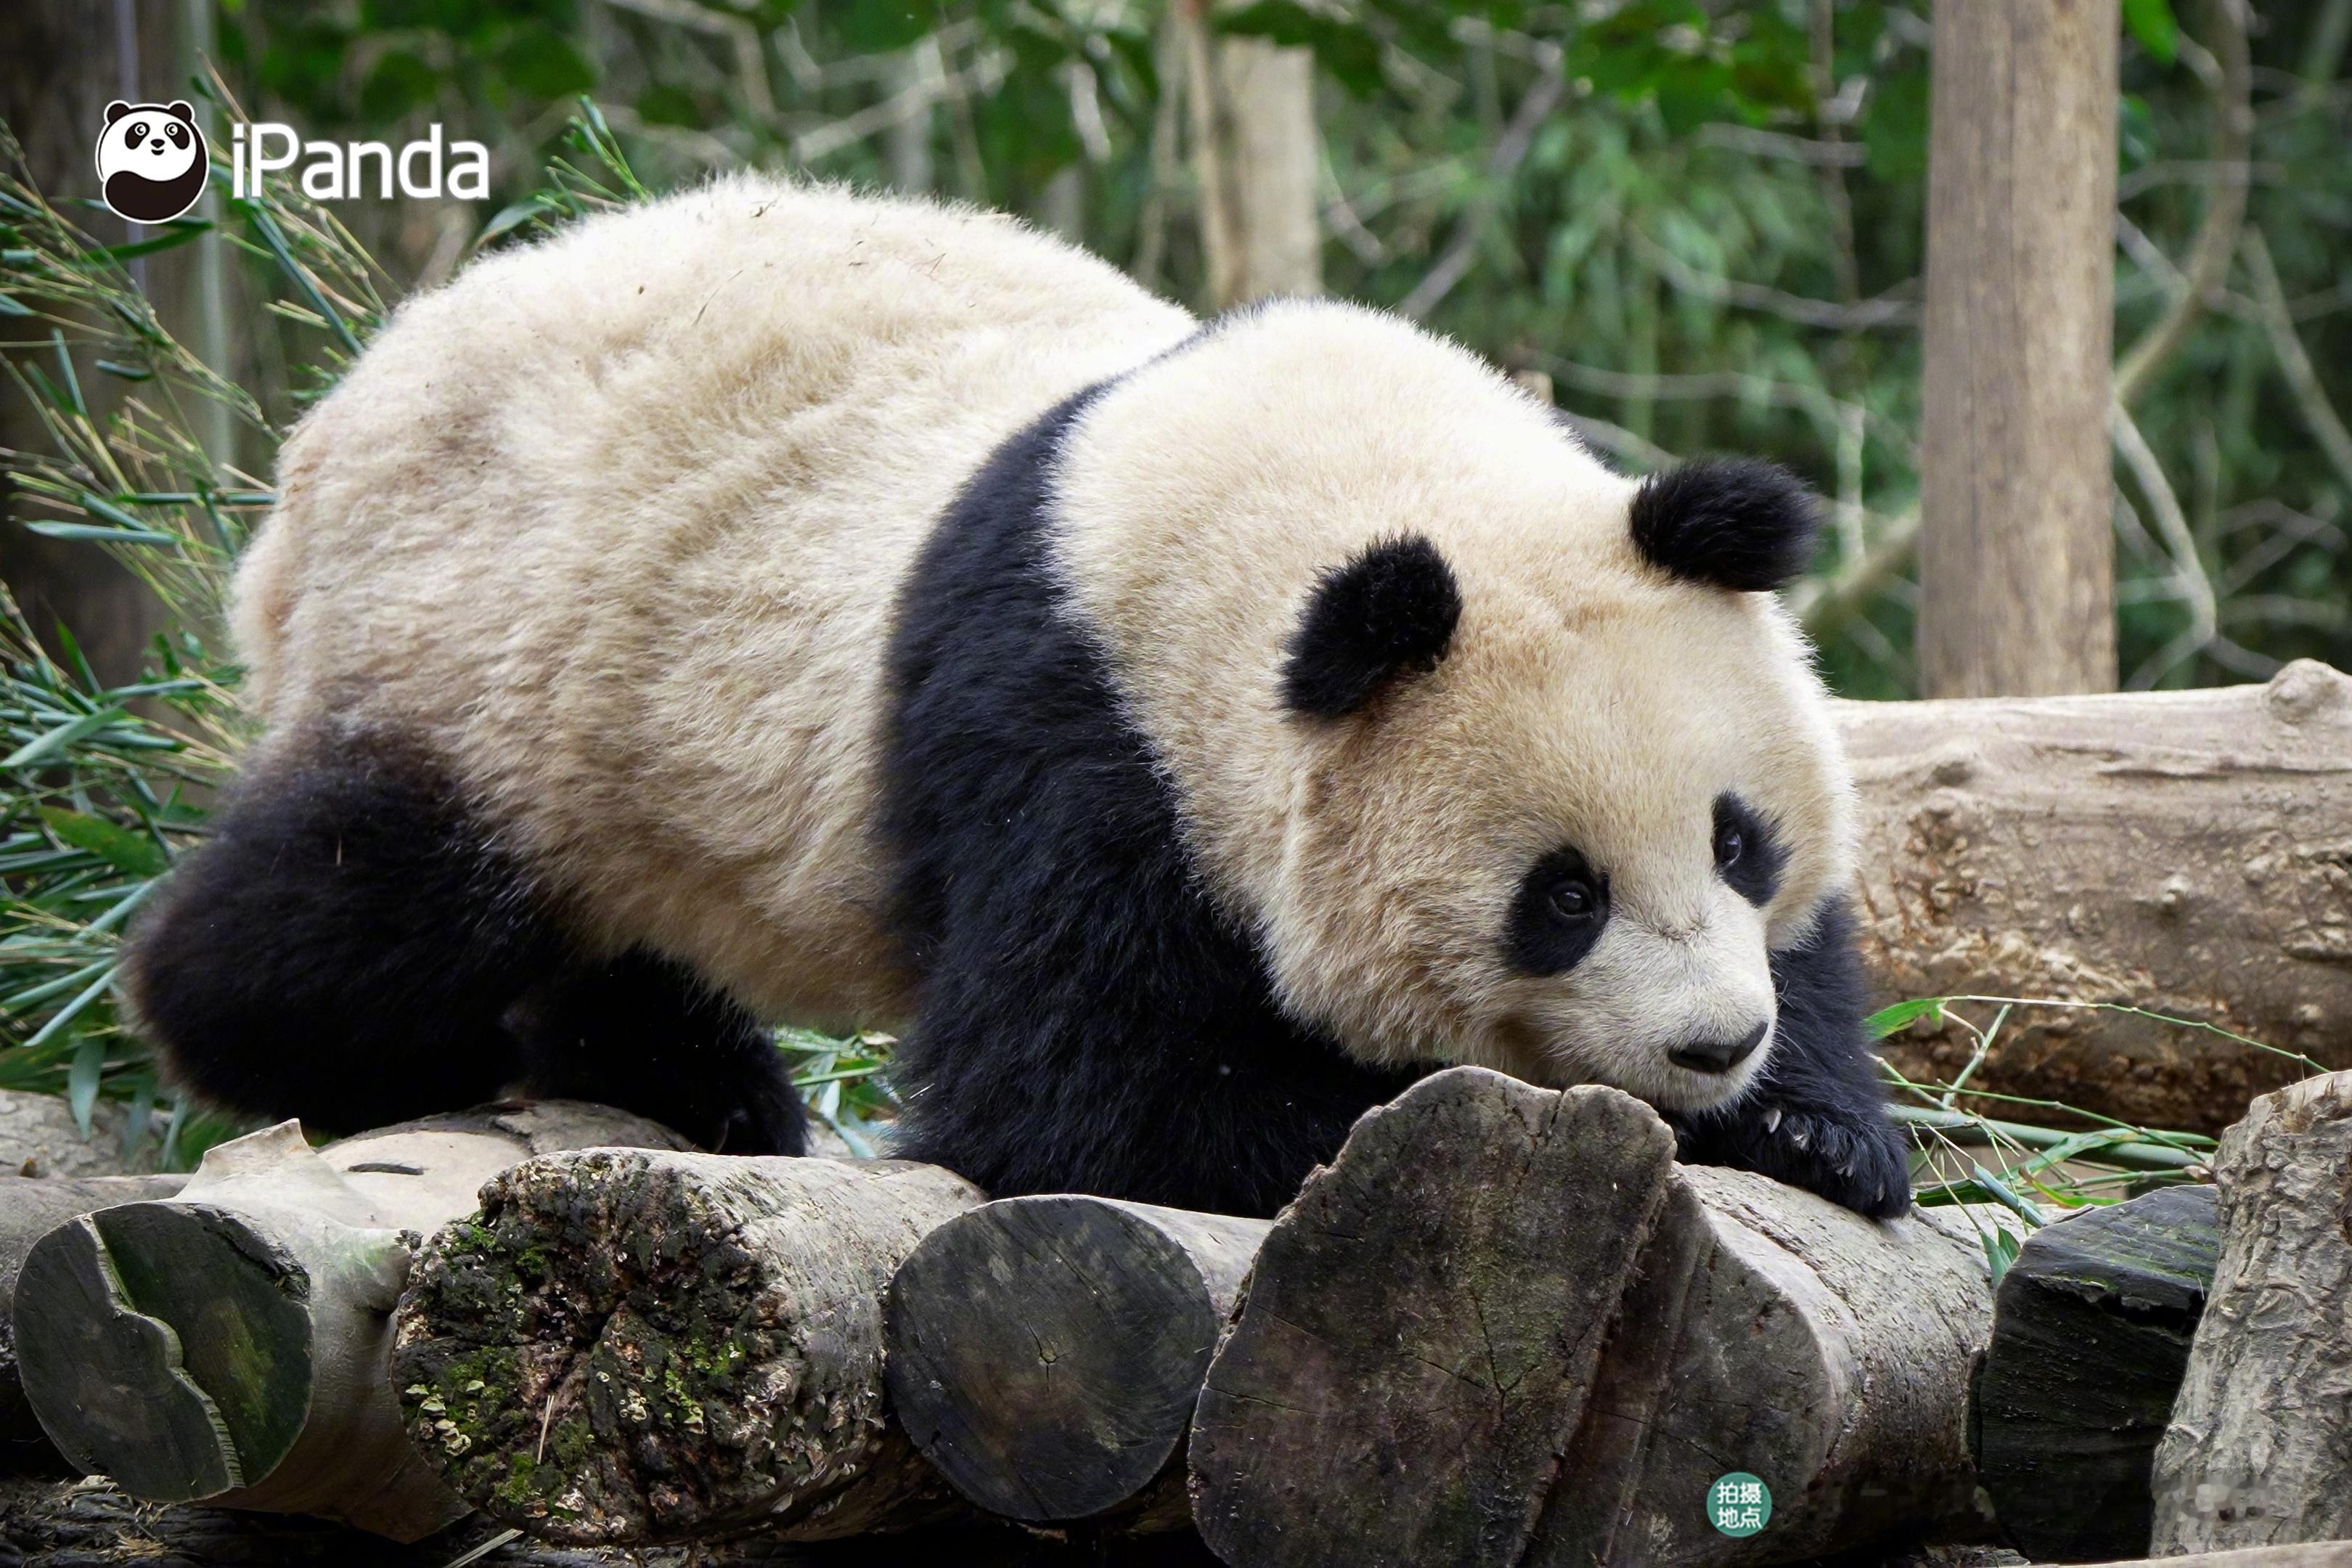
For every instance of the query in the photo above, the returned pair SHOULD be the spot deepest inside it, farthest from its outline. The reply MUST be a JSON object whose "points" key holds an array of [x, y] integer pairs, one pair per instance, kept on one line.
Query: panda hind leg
{"points": [[341, 946], [643, 1033]]}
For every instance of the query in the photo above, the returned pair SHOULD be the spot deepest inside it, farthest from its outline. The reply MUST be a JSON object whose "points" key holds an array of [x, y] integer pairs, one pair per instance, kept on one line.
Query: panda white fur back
{"points": [[779, 605], [612, 521]]}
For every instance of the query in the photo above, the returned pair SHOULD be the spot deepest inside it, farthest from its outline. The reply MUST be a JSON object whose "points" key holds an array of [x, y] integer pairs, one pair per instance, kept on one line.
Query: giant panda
{"points": [[776, 603]]}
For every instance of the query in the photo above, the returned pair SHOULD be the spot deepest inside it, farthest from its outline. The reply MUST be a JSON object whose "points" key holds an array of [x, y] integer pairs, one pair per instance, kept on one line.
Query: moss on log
{"points": [[629, 1348], [230, 1343], [30, 1208]]}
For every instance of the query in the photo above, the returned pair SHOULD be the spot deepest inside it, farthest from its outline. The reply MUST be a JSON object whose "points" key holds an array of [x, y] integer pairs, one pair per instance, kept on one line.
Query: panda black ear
{"points": [[1733, 522], [1389, 612], [182, 109], [116, 111]]}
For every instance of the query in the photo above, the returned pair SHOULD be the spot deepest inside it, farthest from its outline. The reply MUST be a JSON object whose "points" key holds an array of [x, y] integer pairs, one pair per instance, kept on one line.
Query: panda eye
{"points": [[138, 130], [179, 137], [1562, 907], [1747, 852], [1571, 901]]}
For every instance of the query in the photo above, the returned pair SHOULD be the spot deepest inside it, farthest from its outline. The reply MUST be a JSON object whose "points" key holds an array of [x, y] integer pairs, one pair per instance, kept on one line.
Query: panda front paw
{"points": [[1858, 1162]]}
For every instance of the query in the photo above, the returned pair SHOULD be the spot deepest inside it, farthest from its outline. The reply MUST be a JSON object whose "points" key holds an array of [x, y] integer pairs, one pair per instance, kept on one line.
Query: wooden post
{"points": [[2017, 553]]}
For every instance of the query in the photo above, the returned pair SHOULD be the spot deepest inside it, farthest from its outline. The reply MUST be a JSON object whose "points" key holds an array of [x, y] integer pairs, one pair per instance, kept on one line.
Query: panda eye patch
{"points": [[179, 137], [1748, 854], [1562, 907], [138, 130]]}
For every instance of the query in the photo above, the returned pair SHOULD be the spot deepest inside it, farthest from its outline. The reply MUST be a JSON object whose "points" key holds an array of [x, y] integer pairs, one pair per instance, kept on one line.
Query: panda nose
{"points": [[154, 144], [1718, 1055]]}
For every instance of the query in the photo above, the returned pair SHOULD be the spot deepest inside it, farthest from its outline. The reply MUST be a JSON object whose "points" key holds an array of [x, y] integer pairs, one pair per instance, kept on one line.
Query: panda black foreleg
{"points": [[1816, 1115], [341, 946], [643, 1033]]}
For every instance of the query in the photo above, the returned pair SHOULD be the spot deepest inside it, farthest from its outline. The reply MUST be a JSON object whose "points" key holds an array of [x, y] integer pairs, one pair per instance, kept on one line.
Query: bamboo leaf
{"points": [[44, 747]]}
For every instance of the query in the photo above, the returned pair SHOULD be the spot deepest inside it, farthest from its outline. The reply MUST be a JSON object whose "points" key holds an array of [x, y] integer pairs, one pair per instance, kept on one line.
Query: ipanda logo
{"points": [[153, 163], [350, 171], [152, 160]]}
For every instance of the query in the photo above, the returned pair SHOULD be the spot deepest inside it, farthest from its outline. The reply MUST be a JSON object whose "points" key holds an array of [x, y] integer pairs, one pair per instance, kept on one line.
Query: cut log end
{"points": [[1045, 1352], [627, 1348], [166, 1345]]}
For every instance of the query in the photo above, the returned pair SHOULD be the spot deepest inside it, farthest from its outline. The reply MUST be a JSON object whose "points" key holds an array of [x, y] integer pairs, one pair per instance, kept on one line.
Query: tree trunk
{"points": [[2016, 551], [1045, 1352], [230, 1344], [2186, 853], [1257, 155], [628, 1348], [2255, 1454], [29, 1209], [2090, 1340], [1503, 1326], [64, 61]]}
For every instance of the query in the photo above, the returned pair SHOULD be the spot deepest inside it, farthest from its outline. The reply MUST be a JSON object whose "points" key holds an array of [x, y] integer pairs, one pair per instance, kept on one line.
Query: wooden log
{"points": [[2183, 852], [2315, 1555], [632, 1347], [94, 1524], [230, 1344], [2255, 1454], [2090, 1340], [1045, 1353], [1503, 1326], [29, 1208]]}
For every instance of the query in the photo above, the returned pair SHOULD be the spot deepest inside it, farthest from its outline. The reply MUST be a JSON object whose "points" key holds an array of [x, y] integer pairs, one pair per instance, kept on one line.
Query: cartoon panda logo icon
{"points": [[152, 160]]}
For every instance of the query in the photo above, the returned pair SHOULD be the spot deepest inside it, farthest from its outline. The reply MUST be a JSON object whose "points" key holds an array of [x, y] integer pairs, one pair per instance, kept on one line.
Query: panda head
{"points": [[1509, 759], [156, 142]]}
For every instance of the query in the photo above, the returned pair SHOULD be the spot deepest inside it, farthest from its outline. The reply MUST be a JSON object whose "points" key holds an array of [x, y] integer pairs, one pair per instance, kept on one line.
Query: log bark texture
{"points": [[1045, 1352], [2256, 1451], [2016, 545], [230, 1344], [628, 1348], [1503, 1326], [2188, 853], [2090, 1342], [28, 1210]]}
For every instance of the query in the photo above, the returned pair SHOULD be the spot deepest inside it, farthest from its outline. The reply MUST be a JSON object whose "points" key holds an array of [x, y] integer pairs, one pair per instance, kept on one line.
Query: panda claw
{"points": [[1800, 1137], [1772, 1120]]}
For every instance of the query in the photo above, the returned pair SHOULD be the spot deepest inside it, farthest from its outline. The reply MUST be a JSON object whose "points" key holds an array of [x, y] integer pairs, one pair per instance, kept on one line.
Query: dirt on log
{"points": [[2255, 1452], [627, 1349], [30, 1208], [1045, 1352], [1504, 1326], [2187, 853], [229, 1344], [2090, 1342]]}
